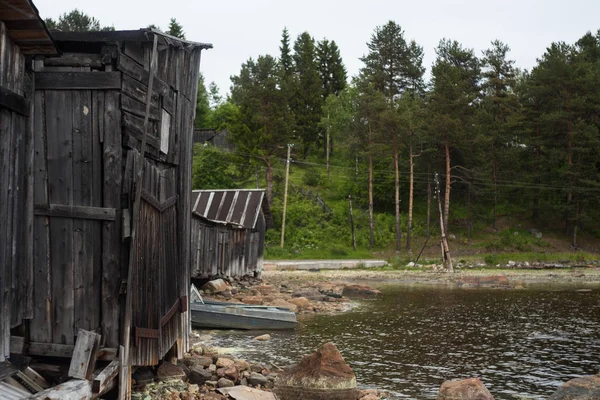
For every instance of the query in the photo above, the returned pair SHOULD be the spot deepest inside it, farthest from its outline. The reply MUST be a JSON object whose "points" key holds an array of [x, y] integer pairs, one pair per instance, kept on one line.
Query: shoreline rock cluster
{"points": [[299, 296]]}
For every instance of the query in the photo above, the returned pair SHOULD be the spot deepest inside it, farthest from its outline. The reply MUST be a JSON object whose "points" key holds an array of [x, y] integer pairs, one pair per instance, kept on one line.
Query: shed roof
{"points": [[25, 27], [237, 207], [139, 35]]}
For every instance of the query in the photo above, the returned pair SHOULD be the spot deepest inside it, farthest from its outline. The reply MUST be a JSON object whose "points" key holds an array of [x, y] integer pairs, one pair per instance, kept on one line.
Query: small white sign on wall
{"points": [[165, 127]]}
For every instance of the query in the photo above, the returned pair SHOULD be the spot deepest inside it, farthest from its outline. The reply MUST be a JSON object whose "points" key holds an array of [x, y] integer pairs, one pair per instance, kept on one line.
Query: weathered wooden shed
{"points": [[228, 232], [22, 35], [105, 216]]}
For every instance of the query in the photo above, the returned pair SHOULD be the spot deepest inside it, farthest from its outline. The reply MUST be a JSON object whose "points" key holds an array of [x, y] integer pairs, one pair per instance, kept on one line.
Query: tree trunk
{"points": [[269, 179], [428, 200], [371, 218], [538, 167], [568, 225], [352, 223], [469, 214], [410, 193], [397, 198], [494, 172], [447, 191], [577, 218]]}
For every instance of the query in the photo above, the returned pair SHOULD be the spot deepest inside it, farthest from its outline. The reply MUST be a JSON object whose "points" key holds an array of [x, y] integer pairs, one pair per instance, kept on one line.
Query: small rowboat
{"points": [[217, 315]]}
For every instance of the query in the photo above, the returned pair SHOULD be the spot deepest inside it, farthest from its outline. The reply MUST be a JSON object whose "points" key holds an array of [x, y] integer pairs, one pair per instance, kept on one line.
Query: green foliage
{"points": [[203, 110], [76, 21], [212, 168], [175, 29], [514, 239]]}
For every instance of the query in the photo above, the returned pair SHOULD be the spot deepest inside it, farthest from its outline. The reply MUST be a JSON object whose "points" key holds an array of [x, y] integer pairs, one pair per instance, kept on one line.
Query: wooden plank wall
{"points": [[16, 208], [77, 164], [168, 157], [220, 251]]}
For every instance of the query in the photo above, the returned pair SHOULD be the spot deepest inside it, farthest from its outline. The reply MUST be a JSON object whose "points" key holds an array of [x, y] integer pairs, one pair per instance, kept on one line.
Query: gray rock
{"points": [[211, 384], [256, 379], [199, 375], [224, 382]]}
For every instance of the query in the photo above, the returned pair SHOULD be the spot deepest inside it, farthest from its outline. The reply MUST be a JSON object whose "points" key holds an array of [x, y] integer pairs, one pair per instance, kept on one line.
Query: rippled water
{"points": [[521, 343]]}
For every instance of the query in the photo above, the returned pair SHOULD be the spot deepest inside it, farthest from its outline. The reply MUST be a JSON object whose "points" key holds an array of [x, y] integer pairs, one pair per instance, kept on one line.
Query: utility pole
{"points": [[444, 241], [352, 223], [287, 177]]}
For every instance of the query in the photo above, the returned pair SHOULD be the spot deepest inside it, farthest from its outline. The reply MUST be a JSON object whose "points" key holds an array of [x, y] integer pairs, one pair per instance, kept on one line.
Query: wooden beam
{"points": [[14, 101], [103, 381], [82, 212], [84, 355], [77, 80]]}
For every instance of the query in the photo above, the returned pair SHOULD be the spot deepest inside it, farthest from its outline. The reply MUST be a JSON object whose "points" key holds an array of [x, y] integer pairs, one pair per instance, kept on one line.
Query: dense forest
{"points": [[514, 152], [505, 142]]}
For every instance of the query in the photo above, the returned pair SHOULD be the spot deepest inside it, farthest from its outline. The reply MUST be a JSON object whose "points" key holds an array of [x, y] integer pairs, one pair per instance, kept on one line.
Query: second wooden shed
{"points": [[228, 232]]}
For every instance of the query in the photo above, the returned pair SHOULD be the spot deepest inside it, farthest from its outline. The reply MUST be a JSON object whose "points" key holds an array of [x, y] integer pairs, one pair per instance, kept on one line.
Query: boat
{"points": [[210, 314]]}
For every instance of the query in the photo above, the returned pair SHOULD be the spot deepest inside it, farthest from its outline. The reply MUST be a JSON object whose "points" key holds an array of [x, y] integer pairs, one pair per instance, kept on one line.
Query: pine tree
{"points": [[264, 124], [393, 67], [455, 76], [307, 101], [496, 111], [76, 21], [333, 79], [175, 29]]}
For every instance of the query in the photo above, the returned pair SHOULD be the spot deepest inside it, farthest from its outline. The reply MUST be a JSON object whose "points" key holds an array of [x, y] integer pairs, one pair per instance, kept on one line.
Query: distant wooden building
{"points": [[22, 36], [79, 148], [228, 232], [210, 136]]}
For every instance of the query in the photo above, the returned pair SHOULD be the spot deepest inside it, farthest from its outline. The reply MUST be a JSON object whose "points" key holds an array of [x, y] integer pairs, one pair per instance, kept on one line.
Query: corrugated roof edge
{"points": [[139, 35]]}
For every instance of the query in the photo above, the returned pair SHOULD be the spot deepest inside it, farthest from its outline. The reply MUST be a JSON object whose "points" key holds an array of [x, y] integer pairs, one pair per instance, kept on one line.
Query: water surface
{"points": [[521, 343]]}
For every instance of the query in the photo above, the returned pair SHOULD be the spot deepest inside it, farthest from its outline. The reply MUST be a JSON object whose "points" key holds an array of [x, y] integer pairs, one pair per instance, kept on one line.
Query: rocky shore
{"points": [[205, 373]]}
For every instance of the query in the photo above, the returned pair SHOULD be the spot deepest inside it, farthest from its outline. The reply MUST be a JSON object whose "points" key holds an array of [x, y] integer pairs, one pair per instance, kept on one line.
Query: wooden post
{"points": [[352, 223], [444, 241], [124, 356], [287, 177]]}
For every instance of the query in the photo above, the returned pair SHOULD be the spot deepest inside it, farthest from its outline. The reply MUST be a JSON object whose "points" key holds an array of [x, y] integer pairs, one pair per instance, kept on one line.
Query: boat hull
{"points": [[216, 316]]}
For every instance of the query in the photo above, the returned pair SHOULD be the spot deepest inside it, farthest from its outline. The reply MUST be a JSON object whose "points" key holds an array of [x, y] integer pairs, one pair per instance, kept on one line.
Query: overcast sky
{"points": [[240, 29]]}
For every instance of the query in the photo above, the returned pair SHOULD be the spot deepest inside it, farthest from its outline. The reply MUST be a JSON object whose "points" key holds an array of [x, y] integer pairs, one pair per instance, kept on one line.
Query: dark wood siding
{"points": [[88, 134], [16, 207]]}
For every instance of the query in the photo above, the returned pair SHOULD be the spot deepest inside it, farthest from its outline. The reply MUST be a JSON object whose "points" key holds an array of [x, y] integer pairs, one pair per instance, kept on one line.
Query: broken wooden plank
{"points": [[70, 390], [104, 379], [36, 378], [84, 355], [83, 212], [77, 80]]}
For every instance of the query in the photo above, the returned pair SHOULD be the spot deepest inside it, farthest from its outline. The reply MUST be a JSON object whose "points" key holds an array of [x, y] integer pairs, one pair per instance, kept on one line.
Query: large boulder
{"points": [[584, 388], [216, 286], [323, 375], [199, 375], [465, 389], [360, 291]]}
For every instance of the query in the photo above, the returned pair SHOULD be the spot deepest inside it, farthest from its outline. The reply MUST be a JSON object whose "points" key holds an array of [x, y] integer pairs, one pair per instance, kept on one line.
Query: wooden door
{"points": [[75, 135]]}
